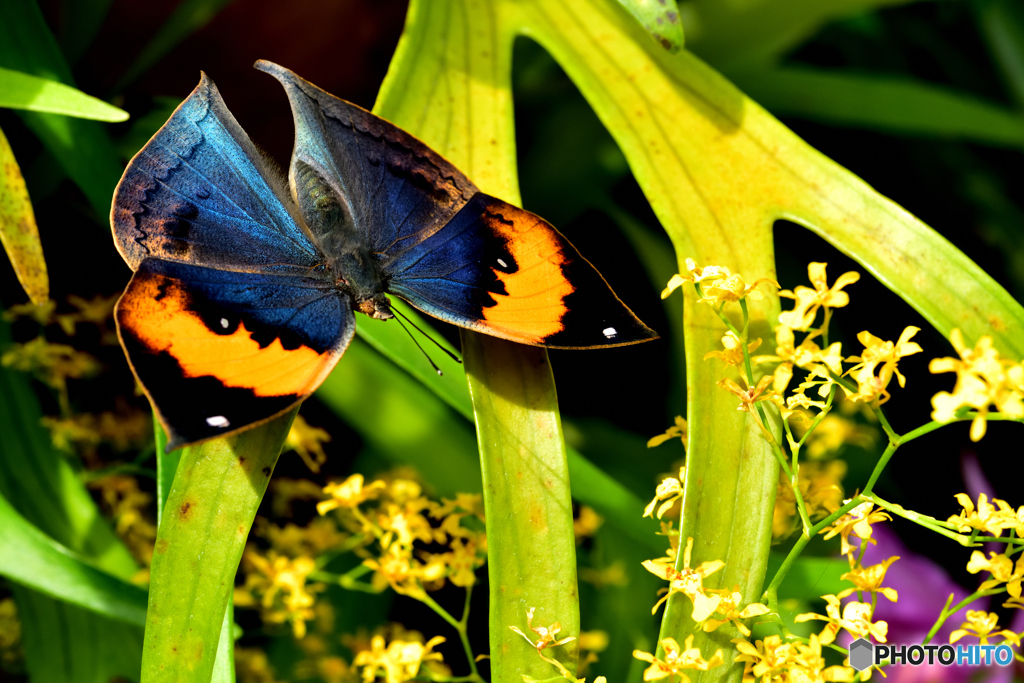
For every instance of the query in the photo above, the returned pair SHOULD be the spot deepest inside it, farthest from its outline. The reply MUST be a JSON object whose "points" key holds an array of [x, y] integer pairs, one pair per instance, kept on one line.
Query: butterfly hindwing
{"points": [[219, 350], [507, 272], [200, 192], [393, 189]]}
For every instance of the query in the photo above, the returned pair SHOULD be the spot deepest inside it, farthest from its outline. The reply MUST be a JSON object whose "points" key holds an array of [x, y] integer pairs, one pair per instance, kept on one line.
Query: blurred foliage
{"points": [[922, 100]]}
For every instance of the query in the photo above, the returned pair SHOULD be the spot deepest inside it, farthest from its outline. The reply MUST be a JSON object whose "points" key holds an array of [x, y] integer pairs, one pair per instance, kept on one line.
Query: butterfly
{"points": [[245, 285]]}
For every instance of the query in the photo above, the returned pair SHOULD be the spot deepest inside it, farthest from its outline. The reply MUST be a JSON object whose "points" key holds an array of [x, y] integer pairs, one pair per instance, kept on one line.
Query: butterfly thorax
{"points": [[355, 273]]}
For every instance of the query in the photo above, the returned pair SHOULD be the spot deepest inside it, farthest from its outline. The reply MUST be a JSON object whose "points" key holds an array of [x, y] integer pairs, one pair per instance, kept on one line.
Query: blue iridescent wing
{"points": [[200, 192]]}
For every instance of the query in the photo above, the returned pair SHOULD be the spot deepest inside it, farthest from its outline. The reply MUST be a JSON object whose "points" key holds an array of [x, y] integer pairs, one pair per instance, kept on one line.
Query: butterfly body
{"points": [[245, 286]]}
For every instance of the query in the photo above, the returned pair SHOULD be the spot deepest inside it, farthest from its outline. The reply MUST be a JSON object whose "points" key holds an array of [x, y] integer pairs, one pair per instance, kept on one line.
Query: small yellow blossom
{"points": [[308, 442], [677, 660], [349, 494], [808, 300], [463, 560], [807, 355], [983, 625], [821, 489], [877, 364], [547, 638], [697, 275], [989, 517], [398, 661], [688, 581], [253, 666], [732, 353], [281, 585], [855, 618], [396, 567], [857, 522], [53, 364], [668, 492], [128, 505], [591, 642], [869, 580], [126, 429], [586, 523], [461, 517], [319, 536], [729, 607], [1002, 570], [719, 284], [751, 396], [983, 379], [677, 430], [10, 632], [772, 659]]}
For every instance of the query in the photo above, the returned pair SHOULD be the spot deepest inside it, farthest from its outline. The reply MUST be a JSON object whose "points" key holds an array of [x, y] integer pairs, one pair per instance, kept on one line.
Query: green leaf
{"points": [[23, 91], [36, 561], [81, 22], [82, 147], [1002, 26], [732, 33], [206, 520], [884, 103], [660, 18], [450, 85], [188, 17], [18, 231]]}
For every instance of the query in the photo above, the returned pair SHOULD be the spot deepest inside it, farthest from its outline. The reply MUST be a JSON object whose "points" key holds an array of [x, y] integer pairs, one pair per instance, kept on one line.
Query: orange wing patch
{"points": [[533, 308], [155, 311]]}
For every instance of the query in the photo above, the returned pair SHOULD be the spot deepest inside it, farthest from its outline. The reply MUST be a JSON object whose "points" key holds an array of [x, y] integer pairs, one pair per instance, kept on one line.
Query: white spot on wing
{"points": [[610, 332], [502, 263], [224, 323], [217, 421]]}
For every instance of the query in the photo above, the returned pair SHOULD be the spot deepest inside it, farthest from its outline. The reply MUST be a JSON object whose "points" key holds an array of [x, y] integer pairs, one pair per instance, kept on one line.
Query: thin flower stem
{"points": [[879, 466], [801, 542], [935, 525], [349, 580], [947, 612], [460, 627]]}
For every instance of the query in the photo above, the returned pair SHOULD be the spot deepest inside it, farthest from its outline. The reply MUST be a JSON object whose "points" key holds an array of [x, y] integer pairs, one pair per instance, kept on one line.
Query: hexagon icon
{"points": [[861, 654]]}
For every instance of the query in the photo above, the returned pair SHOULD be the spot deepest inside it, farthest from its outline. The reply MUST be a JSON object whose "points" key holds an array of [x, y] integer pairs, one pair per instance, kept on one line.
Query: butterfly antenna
{"points": [[435, 342], [429, 359]]}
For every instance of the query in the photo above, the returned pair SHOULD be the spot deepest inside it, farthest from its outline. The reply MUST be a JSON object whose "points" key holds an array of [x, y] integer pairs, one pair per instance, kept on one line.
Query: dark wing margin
{"points": [[200, 192], [393, 189], [499, 269], [218, 351]]}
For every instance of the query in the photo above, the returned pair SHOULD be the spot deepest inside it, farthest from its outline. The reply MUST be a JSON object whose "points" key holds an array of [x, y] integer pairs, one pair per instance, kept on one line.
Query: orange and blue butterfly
{"points": [[245, 285]]}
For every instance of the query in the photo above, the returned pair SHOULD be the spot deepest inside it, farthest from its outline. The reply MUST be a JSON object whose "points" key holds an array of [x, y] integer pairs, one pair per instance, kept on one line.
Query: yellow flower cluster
{"points": [[774, 661], [716, 285], [983, 380], [677, 660], [397, 661], [983, 626], [127, 506], [279, 586], [98, 311], [400, 517], [990, 517], [308, 442], [820, 488]]}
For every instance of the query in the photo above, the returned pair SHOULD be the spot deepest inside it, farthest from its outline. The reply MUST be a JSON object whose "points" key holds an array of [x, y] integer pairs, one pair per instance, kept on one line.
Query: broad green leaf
{"points": [[1002, 26], [23, 91], [660, 18], [731, 32], [18, 231], [188, 17], [455, 95], [36, 561], [885, 103], [81, 147], [206, 520]]}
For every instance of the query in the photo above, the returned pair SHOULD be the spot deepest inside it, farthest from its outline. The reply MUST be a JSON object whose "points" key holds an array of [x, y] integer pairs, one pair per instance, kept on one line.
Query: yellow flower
{"points": [[880, 357], [676, 430], [253, 666], [792, 662], [857, 522], [808, 300], [982, 379], [1002, 570], [10, 632], [128, 506], [547, 638], [987, 517], [677, 660], [396, 567], [729, 607], [983, 625], [733, 350], [349, 493], [719, 284], [280, 583], [586, 523], [53, 364], [320, 535], [749, 397], [308, 442], [461, 517], [869, 579], [807, 355], [669, 491], [820, 487], [855, 619], [833, 433], [688, 581], [697, 275], [462, 562], [400, 661]]}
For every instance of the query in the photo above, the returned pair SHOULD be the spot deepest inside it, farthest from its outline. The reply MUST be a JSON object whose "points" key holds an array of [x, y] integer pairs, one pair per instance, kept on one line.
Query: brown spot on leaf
{"points": [[267, 471], [161, 546], [185, 509]]}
